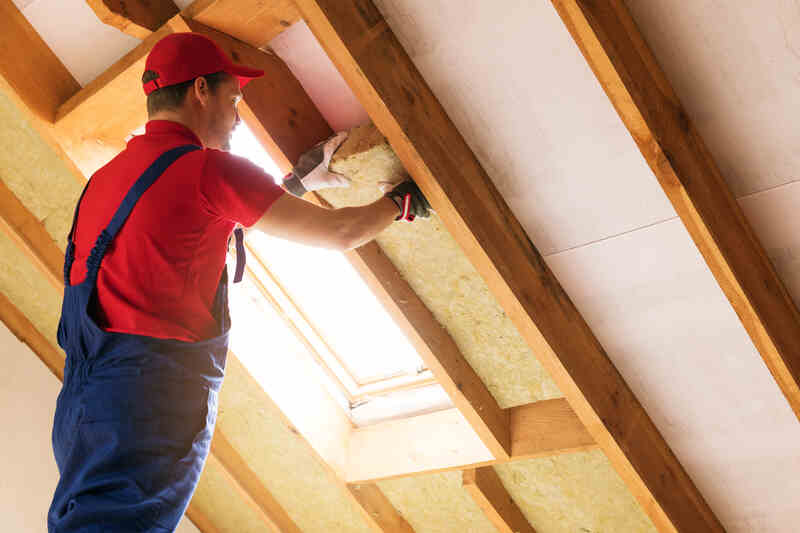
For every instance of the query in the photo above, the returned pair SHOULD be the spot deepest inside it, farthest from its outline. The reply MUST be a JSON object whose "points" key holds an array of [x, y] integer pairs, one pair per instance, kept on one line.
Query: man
{"points": [[145, 320]]}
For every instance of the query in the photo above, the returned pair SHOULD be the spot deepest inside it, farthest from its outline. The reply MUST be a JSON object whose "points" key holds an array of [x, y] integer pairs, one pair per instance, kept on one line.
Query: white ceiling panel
{"points": [[659, 313], [736, 67], [86, 46], [517, 88]]}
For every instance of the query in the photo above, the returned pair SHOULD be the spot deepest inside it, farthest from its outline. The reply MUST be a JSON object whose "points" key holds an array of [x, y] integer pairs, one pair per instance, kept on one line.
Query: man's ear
{"points": [[201, 90]]}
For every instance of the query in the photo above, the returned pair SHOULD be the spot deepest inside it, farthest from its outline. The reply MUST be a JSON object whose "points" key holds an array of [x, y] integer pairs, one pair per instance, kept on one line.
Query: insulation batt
{"points": [[438, 271]]}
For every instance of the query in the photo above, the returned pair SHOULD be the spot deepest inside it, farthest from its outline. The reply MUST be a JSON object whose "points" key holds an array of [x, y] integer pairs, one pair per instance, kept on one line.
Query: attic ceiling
{"points": [[523, 97]]}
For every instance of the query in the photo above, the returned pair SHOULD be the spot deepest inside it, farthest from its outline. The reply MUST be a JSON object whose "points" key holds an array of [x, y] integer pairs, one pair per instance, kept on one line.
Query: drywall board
{"points": [[735, 67], [86, 46], [658, 312], [27, 405], [35, 173], [576, 492], [282, 459], [774, 216], [309, 63], [438, 271], [519, 91], [436, 503]]}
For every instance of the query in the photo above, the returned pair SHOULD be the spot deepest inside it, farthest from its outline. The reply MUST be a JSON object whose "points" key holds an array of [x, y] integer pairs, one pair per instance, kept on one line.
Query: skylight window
{"points": [[362, 356]]}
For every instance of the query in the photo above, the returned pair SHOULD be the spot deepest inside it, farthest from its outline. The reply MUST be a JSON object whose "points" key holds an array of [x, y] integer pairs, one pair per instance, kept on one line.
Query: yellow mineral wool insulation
{"points": [[28, 289], [282, 459], [220, 501], [439, 272], [436, 503], [35, 173], [573, 492]]}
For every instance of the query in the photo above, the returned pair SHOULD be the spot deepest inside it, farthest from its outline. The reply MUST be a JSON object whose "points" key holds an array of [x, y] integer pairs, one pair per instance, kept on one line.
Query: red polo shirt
{"points": [[160, 274]]}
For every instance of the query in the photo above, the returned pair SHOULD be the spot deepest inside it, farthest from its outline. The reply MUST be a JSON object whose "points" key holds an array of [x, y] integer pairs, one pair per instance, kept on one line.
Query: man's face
{"points": [[223, 115]]}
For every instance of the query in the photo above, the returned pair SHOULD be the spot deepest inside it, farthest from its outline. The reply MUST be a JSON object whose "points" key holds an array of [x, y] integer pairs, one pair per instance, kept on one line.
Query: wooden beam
{"points": [[138, 18], [377, 510], [629, 73], [201, 520], [547, 427], [253, 21], [383, 77], [92, 125], [250, 487], [488, 492], [22, 328], [28, 233], [30, 67], [443, 441]]}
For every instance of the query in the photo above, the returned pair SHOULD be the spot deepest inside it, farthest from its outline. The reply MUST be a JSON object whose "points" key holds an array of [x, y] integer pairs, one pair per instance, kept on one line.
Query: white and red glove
{"points": [[311, 171]]}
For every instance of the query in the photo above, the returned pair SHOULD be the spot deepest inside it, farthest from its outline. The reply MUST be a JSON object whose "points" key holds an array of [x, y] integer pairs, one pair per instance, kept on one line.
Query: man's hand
{"points": [[410, 200], [311, 172]]}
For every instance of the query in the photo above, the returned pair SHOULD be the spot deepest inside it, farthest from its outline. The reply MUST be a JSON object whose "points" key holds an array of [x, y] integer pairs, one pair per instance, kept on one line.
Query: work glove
{"points": [[311, 171], [410, 200]]}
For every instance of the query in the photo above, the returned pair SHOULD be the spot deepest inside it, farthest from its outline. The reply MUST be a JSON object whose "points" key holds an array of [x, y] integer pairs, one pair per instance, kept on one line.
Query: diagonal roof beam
{"points": [[377, 68], [487, 491], [377, 510], [669, 142], [138, 18]]}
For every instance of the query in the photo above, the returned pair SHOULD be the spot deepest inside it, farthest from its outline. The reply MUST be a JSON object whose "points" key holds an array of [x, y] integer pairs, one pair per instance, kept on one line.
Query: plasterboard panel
{"points": [[436, 503], [438, 271], [576, 492], [663, 320], [304, 56], [775, 220], [517, 88], [35, 173], [86, 46], [735, 67]]}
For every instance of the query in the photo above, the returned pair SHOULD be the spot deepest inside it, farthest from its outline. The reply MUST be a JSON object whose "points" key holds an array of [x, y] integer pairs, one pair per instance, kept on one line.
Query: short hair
{"points": [[172, 96]]}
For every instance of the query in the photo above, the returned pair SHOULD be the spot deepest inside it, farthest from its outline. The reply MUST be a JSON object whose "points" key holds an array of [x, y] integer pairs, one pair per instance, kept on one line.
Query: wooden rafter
{"points": [[254, 22], [378, 70], [26, 57], [138, 18], [629, 73], [484, 486], [377, 510]]}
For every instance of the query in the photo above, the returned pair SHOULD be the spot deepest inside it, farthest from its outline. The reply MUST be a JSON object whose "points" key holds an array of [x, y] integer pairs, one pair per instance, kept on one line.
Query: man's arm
{"points": [[340, 229]]}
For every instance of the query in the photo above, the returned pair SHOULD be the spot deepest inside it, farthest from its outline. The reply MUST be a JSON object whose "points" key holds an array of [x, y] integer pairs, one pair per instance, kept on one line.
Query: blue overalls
{"points": [[135, 415]]}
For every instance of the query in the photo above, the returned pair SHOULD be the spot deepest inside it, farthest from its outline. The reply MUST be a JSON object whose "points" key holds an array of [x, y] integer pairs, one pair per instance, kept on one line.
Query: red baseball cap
{"points": [[182, 57]]}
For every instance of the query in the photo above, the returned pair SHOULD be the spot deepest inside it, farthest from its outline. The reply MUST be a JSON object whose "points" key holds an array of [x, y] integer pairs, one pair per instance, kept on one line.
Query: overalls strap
{"points": [[141, 185]]}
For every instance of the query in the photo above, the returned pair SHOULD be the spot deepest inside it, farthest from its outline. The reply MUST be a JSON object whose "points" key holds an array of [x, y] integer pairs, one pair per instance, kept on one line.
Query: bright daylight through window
{"points": [[304, 317]]}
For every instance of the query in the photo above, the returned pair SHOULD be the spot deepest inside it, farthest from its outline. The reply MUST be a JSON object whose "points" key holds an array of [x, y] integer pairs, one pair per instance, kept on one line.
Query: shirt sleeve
{"points": [[235, 189]]}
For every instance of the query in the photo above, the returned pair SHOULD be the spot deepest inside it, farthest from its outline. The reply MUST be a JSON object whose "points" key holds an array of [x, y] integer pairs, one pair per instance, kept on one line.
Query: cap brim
{"points": [[245, 74]]}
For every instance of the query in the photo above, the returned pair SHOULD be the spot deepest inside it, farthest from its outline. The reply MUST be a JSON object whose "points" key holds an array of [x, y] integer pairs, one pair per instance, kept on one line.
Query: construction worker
{"points": [[145, 320]]}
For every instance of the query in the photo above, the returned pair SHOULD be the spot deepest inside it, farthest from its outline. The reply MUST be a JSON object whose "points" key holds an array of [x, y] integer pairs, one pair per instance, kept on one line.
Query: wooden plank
{"points": [[672, 146], [377, 510], [138, 18], [545, 428], [372, 61], [30, 67], [250, 487], [434, 442], [443, 441], [28, 233], [253, 21], [200, 520], [92, 125], [488, 492]]}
